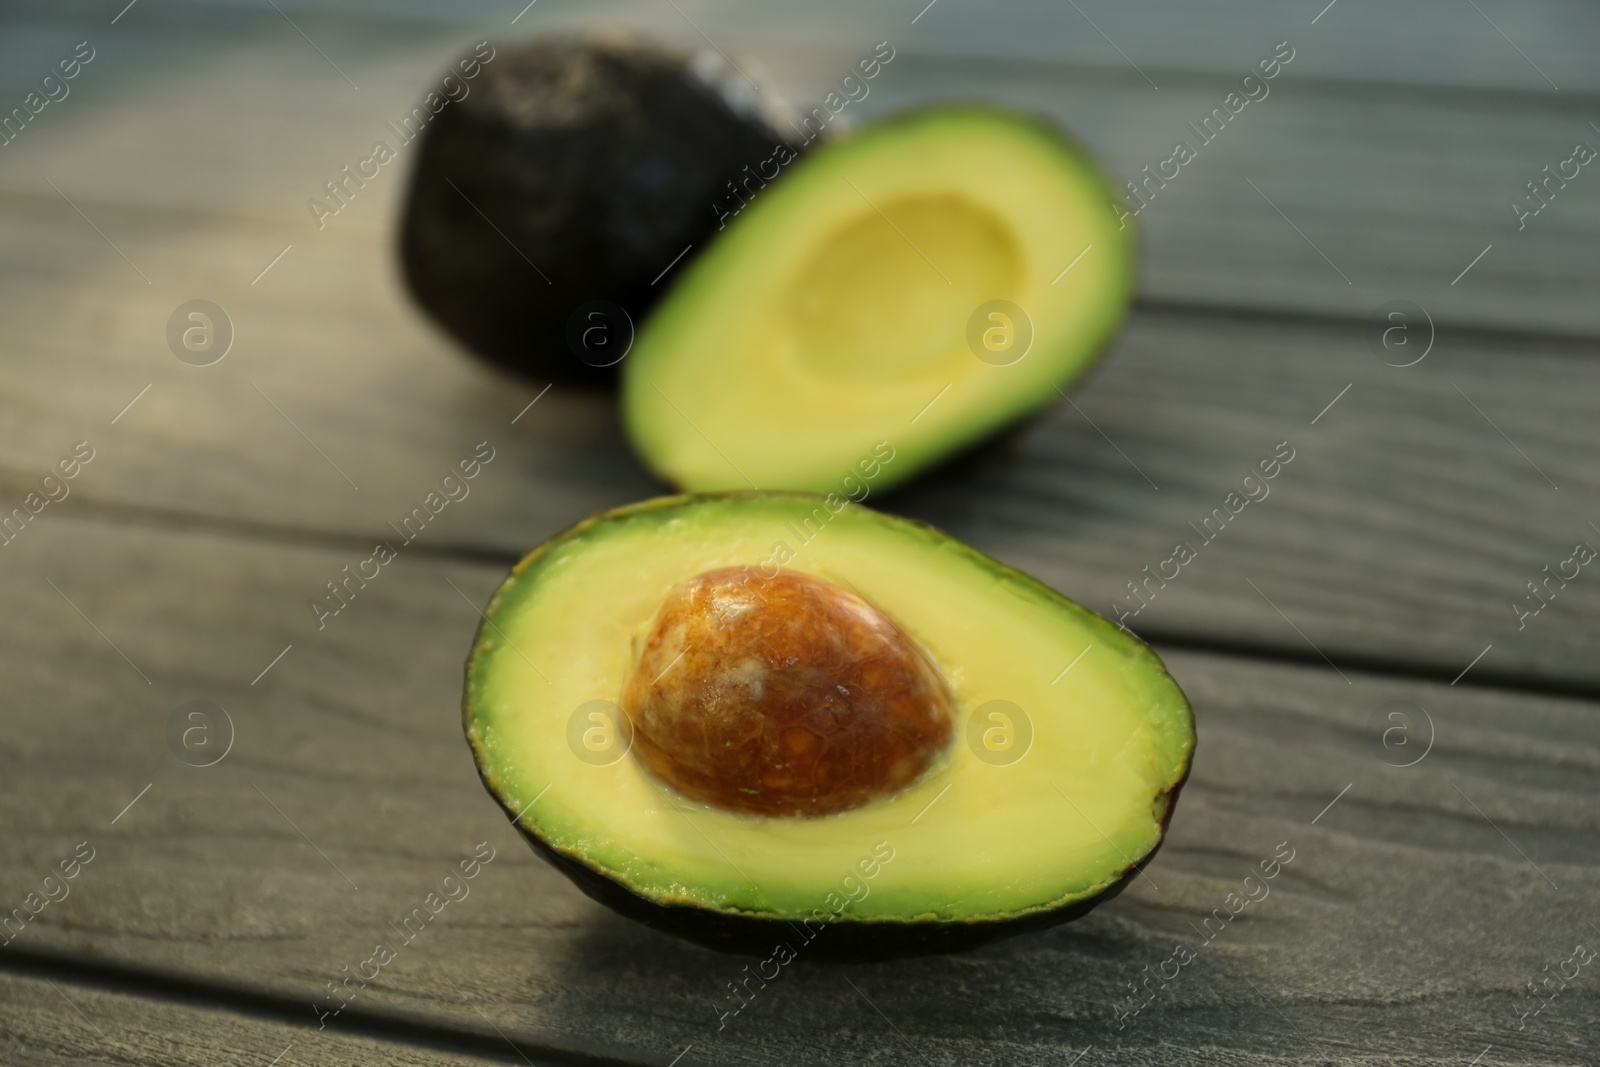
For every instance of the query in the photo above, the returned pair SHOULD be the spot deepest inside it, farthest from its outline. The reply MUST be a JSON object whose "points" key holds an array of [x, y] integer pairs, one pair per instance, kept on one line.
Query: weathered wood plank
{"points": [[1382, 524], [334, 383], [1325, 196], [51, 1022], [1433, 43], [1405, 529], [1400, 933], [1412, 915]]}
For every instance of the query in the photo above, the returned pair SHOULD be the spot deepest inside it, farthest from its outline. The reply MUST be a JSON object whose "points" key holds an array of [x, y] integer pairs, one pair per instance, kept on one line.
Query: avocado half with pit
{"points": [[763, 718], [926, 280]]}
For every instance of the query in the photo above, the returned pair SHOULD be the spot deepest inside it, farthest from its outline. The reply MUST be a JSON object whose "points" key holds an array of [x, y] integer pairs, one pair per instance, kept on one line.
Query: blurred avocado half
{"points": [[925, 281]]}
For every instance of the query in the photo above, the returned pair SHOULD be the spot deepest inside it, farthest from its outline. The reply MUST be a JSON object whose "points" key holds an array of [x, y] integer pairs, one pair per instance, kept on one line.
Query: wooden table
{"points": [[1380, 575]]}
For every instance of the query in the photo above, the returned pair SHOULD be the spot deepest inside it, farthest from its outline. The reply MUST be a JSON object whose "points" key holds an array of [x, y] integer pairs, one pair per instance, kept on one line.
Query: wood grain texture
{"points": [[1405, 529], [1405, 534], [1430, 43], [49, 1021], [1401, 932], [1362, 191], [222, 901]]}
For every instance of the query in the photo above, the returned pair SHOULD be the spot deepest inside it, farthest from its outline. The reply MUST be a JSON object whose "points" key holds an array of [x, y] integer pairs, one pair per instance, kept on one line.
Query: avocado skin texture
{"points": [[842, 940], [598, 160]]}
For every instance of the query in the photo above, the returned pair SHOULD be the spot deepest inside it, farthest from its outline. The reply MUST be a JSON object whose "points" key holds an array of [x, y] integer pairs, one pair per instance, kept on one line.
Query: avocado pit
{"points": [[785, 695]]}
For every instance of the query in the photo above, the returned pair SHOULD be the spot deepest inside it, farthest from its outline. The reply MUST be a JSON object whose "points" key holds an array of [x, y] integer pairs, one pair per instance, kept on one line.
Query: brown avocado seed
{"points": [[782, 696]]}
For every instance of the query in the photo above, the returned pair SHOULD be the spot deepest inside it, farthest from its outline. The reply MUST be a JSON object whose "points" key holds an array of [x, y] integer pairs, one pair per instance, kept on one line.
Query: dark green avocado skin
{"points": [[575, 170], [839, 941]]}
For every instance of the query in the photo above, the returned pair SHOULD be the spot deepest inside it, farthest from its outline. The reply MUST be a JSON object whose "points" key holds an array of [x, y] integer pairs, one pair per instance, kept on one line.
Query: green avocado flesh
{"points": [[848, 303], [986, 835]]}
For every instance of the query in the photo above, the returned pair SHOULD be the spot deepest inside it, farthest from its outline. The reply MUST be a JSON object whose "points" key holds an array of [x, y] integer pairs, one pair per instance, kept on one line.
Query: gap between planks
{"points": [[152, 984], [1288, 653]]}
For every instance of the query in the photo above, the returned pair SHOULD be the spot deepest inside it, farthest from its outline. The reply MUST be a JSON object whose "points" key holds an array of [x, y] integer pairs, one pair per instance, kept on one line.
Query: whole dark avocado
{"points": [[556, 193]]}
